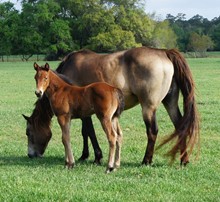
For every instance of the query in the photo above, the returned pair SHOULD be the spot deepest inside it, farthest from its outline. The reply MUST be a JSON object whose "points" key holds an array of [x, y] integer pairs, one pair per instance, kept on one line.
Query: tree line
{"points": [[56, 27]]}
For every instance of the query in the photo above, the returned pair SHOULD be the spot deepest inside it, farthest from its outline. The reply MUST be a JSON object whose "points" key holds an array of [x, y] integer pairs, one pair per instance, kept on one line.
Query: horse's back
{"points": [[141, 73]]}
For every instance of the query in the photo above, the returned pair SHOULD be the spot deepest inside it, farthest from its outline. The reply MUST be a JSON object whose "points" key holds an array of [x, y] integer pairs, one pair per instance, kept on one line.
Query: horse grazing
{"points": [[145, 75], [69, 102]]}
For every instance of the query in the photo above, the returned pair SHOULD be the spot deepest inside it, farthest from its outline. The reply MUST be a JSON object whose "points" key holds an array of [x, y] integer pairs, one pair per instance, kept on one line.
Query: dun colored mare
{"points": [[69, 102], [145, 75]]}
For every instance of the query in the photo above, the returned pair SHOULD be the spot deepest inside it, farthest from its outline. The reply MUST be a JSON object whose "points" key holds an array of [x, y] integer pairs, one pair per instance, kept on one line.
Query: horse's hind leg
{"points": [[149, 116], [88, 131], [170, 103]]}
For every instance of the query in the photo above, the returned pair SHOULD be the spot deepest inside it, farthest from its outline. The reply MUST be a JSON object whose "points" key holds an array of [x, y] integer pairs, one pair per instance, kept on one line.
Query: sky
{"points": [[206, 8]]}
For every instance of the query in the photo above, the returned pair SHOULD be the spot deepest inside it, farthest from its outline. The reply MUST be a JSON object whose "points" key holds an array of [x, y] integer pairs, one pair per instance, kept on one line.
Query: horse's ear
{"points": [[36, 66], [46, 67], [28, 119]]}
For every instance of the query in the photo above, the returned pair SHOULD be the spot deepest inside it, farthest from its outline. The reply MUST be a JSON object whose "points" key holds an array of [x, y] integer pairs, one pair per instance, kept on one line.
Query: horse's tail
{"points": [[188, 127], [121, 103]]}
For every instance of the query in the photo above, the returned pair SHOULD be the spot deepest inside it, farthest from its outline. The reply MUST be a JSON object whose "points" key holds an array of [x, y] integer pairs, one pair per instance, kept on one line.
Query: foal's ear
{"points": [[46, 67], [36, 66], [28, 119]]}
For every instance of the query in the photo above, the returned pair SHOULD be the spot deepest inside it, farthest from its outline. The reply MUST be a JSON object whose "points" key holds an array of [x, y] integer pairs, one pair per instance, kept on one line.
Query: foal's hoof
{"points": [[184, 163], [109, 170], [69, 165]]}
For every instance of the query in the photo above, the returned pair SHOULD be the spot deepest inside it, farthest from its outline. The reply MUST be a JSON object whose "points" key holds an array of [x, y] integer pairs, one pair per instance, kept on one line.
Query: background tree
{"points": [[9, 17], [200, 43], [56, 27], [164, 36]]}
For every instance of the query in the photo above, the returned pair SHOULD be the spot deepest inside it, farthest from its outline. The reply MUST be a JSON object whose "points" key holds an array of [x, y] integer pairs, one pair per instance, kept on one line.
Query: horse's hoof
{"points": [[97, 162], [146, 162], [69, 165], [109, 170], [84, 157]]}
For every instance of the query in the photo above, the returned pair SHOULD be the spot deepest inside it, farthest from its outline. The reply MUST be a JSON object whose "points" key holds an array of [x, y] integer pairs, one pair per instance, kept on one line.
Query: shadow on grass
{"points": [[45, 161], [35, 162], [50, 161]]}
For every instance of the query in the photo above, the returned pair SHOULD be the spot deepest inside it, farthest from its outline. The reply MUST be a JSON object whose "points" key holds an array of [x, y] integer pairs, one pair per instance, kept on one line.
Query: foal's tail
{"points": [[121, 103], [188, 127]]}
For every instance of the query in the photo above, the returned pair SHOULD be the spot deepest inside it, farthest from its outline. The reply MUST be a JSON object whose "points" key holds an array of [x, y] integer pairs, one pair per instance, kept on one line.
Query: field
{"points": [[45, 179]]}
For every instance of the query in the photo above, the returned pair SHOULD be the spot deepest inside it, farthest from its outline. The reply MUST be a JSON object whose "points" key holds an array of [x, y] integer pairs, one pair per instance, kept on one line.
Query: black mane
{"points": [[64, 77]]}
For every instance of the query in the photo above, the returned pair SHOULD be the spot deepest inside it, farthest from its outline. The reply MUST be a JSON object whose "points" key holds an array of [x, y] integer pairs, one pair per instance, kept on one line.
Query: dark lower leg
{"points": [[152, 131], [88, 130], [184, 159]]}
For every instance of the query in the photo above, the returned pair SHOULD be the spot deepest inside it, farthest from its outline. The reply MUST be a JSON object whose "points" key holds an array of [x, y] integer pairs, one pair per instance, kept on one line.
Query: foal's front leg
{"points": [[65, 122]]}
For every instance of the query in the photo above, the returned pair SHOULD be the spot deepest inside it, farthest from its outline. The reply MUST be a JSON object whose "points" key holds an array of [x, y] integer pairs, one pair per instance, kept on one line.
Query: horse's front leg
{"points": [[65, 122], [88, 130]]}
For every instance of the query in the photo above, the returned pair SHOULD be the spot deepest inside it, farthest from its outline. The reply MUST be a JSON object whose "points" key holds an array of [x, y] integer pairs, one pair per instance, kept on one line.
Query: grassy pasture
{"points": [[45, 179]]}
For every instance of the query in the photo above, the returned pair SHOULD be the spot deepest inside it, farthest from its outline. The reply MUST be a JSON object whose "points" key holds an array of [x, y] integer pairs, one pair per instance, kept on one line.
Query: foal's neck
{"points": [[56, 83]]}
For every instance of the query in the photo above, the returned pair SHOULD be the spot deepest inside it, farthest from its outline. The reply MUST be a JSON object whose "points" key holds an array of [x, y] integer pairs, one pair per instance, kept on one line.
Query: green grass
{"points": [[45, 179]]}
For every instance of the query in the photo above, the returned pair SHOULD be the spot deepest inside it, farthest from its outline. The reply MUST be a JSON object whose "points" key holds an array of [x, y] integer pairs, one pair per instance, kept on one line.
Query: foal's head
{"points": [[42, 78]]}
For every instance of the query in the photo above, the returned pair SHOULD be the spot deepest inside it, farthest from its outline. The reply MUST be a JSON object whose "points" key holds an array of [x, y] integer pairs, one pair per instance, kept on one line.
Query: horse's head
{"points": [[38, 138], [42, 79]]}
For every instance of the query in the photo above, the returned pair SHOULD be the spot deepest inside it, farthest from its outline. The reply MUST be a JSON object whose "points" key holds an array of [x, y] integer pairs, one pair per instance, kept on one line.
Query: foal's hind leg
{"points": [[118, 130], [112, 138], [149, 116], [88, 130]]}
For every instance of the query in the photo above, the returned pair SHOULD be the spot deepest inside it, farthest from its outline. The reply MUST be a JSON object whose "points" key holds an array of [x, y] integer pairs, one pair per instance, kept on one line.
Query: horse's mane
{"points": [[42, 114], [64, 77], [69, 56]]}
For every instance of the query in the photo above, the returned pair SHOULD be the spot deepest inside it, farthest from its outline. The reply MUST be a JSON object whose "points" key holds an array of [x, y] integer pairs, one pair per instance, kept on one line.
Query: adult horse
{"points": [[145, 75]]}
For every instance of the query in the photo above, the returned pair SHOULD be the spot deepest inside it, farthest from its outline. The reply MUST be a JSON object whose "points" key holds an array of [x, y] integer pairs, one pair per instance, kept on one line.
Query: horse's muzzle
{"points": [[38, 93], [34, 155]]}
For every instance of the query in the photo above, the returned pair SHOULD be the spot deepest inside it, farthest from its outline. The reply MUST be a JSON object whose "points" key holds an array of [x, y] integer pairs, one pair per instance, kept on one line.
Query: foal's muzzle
{"points": [[38, 93]]}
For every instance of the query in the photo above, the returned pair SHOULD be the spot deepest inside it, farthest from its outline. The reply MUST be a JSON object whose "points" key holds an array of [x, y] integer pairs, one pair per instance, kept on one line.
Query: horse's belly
{"points": [[130, 100]]}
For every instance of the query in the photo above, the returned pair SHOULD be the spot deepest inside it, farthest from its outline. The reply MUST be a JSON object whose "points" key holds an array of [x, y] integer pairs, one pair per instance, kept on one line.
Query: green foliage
{"points": [[114, 40], [45, 179], [55, 28], [215, 34], [164, 36], [198, 43], [197, 28]]}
